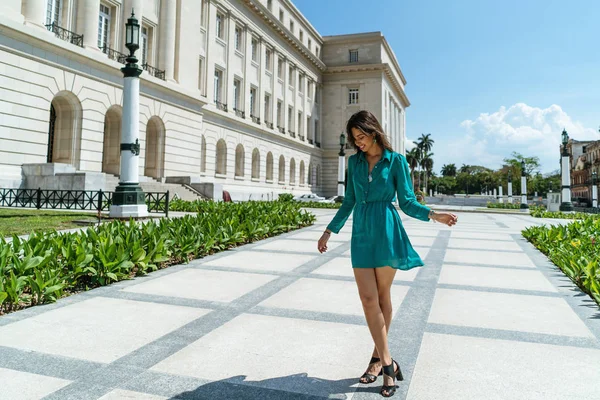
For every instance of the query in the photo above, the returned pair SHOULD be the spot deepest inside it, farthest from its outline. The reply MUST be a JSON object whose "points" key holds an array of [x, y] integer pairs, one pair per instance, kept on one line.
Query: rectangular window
{"points": [[310, 86], [238, 38], [280, 68], [291, 26], [53, 11], [317, 52], [301, 83], [253, 102], [254, 50], [268, 108], [202, 76], [219, 26], [104, 28], [270, 5], [291, 76], [236, 94], [301, 36], [279, 113], [203, 12], [352, 96], [300, 123], [316, 93], [268, 58], [309, 45], [290, 118], [144, 45], [218, 84], [281, 15], [353, 56]]}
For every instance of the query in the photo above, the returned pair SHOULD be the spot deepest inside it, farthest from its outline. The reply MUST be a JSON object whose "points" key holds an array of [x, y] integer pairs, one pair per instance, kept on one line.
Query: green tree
{"points": [[412, 157], [427, 164], [449, 170]]}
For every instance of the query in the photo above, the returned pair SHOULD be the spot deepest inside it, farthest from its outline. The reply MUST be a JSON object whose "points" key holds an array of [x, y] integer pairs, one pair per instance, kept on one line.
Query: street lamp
{"points": [[594, 189], [566, 204], [341, 165], [129, 200], [510, 199], [524, 205]]}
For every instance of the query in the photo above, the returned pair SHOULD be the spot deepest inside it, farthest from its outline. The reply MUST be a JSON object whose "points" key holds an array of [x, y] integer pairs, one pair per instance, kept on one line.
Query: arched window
{"points": [[302, 178], [310, 174], [281, 169], [318, 176], [270, 167], [203, 155], [221, 161], [155, 148], [111, 149], [239, 160], [255, 164], [292, 172], [64, 130]]}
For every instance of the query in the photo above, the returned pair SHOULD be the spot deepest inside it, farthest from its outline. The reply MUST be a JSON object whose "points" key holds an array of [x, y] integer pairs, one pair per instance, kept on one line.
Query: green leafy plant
{"points": [[51, 265], [574, 248], [508, 206]]}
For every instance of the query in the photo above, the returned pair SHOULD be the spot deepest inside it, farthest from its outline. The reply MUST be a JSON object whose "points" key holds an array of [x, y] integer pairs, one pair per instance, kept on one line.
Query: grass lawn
{"points": [[22, 221]]}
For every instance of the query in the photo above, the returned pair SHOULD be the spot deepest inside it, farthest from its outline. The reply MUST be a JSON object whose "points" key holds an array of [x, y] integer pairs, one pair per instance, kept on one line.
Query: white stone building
{"points": [[243, 95]]}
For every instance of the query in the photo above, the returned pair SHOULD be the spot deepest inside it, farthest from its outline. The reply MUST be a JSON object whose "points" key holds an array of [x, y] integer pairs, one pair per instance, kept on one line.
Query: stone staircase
{"points": [[149, 184]]}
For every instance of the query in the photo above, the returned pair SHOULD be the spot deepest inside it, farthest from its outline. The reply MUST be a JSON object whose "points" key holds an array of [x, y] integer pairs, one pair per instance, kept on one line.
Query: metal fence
{"points": [[93, 200]]}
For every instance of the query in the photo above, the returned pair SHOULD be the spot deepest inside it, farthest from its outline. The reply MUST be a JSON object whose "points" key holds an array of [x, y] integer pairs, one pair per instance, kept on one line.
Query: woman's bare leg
{"points": [[366, 280]]}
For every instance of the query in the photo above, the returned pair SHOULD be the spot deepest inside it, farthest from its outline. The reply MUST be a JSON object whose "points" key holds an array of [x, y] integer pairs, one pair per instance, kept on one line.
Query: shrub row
{"points": [[51, 265], [509, 206], [575, 249], [540, 212]]}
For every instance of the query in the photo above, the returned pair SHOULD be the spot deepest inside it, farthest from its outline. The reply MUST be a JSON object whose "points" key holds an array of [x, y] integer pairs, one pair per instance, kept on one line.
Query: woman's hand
{"points": [[322, 245], [445, 218]]}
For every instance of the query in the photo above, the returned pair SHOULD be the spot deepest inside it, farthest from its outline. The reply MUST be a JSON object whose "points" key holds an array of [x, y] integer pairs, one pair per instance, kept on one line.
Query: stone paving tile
{"points": [[513, 312], [303, 246], [337, 297], [120, 394], [489, 257], [483, 244], [98, 329], [469, 368], [261, 261], [495, 277], [342, 267], [302, 356], [203, 285], [479, 235], [17, 385]]}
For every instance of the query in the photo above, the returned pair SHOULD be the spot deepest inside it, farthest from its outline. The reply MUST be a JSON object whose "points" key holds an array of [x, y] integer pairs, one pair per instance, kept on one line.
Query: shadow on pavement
{"points": [[292, 387]]}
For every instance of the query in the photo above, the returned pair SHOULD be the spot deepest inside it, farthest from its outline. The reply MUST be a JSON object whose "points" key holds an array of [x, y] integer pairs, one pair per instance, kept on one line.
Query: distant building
{"points": [[585, 159]]}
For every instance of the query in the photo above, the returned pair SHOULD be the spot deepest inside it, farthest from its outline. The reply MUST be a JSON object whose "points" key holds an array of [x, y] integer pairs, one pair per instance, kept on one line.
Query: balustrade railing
{"points": [[221, 106], [155, 72], [281, 129], [310, 141], [65, 34], [255, 119], [269, 124], [115, 55], [318, 144], [93, 200], [301, 137], [239, 113]]}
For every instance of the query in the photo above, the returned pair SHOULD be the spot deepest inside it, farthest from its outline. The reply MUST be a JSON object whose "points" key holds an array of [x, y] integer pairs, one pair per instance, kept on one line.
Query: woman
{"points": [[380, 246]]}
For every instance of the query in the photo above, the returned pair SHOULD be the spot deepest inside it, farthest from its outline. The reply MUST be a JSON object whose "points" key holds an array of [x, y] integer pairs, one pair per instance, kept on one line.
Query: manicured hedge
{"points": [[509, 206], [540, 212], [574, 248], [51, 265]]}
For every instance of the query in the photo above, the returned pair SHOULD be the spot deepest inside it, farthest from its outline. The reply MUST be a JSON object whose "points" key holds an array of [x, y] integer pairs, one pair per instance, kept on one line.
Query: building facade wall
{"points": [[186, 115]]}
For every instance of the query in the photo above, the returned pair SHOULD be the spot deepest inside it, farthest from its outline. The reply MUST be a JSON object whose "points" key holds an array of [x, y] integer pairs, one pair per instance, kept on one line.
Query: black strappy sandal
{"points": [[370, 378], [389, 371]]}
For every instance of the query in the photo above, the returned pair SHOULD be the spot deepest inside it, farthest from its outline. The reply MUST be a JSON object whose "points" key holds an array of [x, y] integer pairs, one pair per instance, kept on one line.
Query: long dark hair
{"points": [[366, 122]]}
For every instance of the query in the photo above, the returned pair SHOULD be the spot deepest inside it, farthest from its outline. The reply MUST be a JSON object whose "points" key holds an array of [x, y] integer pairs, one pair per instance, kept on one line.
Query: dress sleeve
{"points": [[349, 200], [406, 195]]}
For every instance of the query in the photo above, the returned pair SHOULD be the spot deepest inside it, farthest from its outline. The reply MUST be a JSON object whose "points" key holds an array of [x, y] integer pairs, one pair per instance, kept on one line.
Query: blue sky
{"points": [[486, 77]]}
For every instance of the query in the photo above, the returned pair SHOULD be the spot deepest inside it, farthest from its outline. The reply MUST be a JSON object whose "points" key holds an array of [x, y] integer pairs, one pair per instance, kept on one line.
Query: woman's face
{"points": [[363, 142]]}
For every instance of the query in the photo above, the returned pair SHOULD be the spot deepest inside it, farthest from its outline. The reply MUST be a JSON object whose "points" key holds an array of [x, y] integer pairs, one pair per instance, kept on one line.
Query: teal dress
{"points": [[378, 237]]}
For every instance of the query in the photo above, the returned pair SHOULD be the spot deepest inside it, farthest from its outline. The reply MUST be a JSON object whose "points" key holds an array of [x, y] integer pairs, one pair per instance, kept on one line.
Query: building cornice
{"points": [[385, 67], [301, 17], [394, 59], [278, 27]]}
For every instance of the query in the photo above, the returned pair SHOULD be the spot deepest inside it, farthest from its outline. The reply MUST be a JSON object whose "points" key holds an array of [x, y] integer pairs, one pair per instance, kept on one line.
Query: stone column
{"points": [[524, 191], [500, 197], [34, 12], [87, 23], [566, 204], [12, 10], [168, 25]]}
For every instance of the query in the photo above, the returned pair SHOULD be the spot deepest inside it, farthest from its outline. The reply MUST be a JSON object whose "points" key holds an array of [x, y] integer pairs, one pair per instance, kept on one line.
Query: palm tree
{"points": [[465, 169], [424, 145], [449, 170], [427, 164], [412, 157]]}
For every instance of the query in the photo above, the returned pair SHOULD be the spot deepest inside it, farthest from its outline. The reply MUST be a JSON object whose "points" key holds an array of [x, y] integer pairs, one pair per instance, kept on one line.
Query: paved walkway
{"points": [[487, 318]]}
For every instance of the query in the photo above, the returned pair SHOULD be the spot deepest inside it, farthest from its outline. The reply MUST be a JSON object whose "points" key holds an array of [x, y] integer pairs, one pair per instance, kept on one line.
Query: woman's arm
{"points": [[344, 211], [404, 188]]}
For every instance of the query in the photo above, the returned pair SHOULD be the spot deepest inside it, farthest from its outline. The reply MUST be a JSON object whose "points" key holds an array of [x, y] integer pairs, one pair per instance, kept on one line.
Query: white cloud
{"points": [[409, 144], [531, 131]]}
